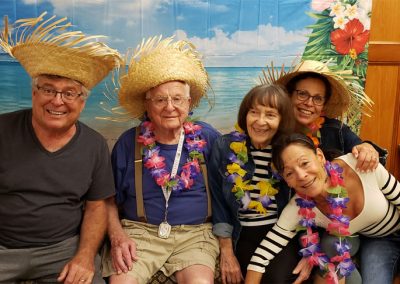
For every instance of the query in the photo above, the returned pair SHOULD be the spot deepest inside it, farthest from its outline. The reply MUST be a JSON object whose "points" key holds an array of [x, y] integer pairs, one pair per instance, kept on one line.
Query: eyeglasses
{"points": [[303, 95], [163, 101], [67, 96]]}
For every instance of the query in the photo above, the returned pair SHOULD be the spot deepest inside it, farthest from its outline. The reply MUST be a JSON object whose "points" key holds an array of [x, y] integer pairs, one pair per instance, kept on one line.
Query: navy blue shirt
{"points": [[188, 207]]}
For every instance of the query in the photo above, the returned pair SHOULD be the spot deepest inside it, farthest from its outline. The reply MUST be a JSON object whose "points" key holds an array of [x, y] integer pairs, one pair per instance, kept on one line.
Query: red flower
{"points": [[307, 213], [163, 179], [309, 239], [336, 227], [155, 161], [351, 40], [190, 127]]}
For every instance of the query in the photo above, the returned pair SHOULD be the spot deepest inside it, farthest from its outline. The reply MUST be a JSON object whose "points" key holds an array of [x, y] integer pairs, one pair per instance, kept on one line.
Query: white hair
{"points": [[85, 91], [187, 90]]}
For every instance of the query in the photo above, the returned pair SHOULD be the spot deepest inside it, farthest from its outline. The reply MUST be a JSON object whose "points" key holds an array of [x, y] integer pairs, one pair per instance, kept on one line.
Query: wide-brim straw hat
{"points": [[156, 61], [347, 95], [44, 47]]}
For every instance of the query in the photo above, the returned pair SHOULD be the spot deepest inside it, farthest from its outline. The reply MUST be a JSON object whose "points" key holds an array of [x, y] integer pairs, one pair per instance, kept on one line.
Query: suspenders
{"points": [[138, 179], [139, 186]]}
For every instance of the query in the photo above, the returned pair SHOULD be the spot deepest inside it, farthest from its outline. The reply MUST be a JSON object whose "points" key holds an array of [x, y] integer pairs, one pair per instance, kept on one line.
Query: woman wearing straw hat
{"points": [[161, 189], [319, 97], [332, 194], [55, 172]]}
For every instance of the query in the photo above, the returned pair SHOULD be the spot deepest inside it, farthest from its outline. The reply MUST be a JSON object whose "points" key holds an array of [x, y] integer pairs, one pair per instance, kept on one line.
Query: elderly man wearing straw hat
{"points": [[160, 178], [55, 172]]}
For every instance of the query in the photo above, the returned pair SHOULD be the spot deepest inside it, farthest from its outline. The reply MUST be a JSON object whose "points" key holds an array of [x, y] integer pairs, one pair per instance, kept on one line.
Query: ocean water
{"points": [[229, 86]]}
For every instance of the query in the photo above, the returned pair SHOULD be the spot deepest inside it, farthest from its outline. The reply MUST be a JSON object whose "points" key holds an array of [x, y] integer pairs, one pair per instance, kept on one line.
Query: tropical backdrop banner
{"points": [[237, 38]]}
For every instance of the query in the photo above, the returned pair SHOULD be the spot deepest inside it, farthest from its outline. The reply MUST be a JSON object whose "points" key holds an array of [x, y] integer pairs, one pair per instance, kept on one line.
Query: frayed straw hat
{"points": [[157, 61], [45, 48], [347, 95]]}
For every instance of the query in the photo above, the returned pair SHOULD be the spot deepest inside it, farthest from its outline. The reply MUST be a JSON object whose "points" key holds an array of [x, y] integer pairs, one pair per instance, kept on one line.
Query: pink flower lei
{"points": [[337, 198], [155, 162]]}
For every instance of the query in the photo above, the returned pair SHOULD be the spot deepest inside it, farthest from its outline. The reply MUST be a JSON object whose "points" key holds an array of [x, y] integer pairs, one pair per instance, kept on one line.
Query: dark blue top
{"points": [[337, 135], [188, 207]]}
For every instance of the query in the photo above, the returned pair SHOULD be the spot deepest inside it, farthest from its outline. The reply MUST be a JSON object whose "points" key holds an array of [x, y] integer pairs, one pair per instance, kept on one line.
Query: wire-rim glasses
{"points": [[162, 101], [66, 96], [303, 95]]}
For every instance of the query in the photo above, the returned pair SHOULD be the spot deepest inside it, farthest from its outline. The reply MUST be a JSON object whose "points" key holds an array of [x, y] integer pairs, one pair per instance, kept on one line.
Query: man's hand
{"points": [[80, 270], [367, 157], [123, 252], [303, 268]]}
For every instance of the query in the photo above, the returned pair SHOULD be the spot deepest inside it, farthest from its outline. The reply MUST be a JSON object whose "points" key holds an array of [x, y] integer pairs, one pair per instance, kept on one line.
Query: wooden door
{"points": [[383, 81]]}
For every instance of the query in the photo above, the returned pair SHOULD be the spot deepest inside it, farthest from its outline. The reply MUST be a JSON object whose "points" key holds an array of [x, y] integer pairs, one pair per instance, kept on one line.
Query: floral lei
{"points": [[338, 226], [155, 162], [241, 188], [313, 130]]}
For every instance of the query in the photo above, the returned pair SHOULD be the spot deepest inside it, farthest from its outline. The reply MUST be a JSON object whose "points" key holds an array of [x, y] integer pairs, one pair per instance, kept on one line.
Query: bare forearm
{"points": [[225, 244], [114, 226], [93, 227]]}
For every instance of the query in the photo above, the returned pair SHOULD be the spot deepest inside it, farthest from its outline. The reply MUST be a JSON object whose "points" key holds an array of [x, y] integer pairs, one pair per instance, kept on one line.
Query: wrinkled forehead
{"points": [[170, 88]]}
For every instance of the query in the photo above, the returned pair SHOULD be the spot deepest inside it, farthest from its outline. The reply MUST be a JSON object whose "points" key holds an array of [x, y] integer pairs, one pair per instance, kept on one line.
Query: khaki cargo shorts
{"points": [[186, 245]]}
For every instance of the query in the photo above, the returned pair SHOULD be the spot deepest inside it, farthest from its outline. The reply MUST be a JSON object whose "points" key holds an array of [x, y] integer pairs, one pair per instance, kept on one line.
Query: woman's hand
{"points": [[253, 277], [229, 265], [303, 268], [367, 157]]}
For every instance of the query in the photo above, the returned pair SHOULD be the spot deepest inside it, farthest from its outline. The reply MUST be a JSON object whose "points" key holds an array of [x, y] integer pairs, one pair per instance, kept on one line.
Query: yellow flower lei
{"points": [[241, 188]]}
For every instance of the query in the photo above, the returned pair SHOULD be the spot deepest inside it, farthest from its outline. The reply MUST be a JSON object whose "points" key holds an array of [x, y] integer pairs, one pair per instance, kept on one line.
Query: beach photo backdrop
{"points": [[238, 38]]}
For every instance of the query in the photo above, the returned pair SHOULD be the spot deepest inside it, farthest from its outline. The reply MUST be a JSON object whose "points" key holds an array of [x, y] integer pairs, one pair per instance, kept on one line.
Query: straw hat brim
{"points": [[157, 67], [339, 101], [43, 58], [44, 46]]}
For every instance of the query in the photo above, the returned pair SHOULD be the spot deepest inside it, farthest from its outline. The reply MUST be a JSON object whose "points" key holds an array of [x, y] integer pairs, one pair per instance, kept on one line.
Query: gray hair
{"points": [[85, 91]]}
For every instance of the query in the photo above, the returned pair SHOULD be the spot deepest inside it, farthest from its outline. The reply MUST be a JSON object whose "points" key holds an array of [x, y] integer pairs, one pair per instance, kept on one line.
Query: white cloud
{"points": [[250, 48], [205, 5], [130, 10], [241, 48]]}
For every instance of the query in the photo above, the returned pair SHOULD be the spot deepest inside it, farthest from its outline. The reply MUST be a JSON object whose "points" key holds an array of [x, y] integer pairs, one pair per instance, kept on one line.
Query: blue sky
{"points": [[227, 32]]}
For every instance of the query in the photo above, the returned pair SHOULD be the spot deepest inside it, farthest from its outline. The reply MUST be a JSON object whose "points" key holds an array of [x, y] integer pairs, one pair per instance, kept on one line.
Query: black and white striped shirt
{"points": [[250, 217], [379, 217]]}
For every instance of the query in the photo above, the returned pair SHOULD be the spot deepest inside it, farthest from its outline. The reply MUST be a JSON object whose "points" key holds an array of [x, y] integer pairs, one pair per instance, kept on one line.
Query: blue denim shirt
{"points": [[225, 206]]}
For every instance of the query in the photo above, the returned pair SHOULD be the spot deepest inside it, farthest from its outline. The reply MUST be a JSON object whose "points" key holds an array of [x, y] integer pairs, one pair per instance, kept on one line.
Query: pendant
{"points": [[164, 230]]}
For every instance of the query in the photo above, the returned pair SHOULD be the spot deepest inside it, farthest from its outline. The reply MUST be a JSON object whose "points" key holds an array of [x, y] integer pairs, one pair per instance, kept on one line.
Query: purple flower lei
{"points": [[154, 162], [337, 199]]}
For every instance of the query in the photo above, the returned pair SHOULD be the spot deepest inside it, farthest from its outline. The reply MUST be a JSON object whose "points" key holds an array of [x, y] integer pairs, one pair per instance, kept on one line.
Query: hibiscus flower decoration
{"points": [[350, 40], [155, 161]]}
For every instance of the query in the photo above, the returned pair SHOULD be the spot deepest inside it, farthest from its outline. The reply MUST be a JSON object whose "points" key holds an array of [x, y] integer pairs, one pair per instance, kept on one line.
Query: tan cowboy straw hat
{"points": [[44, 47], [157, 61], [346, 94]]}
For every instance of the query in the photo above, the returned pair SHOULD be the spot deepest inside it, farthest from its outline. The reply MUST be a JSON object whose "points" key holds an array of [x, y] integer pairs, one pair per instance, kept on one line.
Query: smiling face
{"points": [[52, 114], [307, 111], [262, 124], [303, 170], [169, 117]]}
